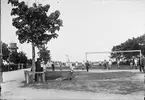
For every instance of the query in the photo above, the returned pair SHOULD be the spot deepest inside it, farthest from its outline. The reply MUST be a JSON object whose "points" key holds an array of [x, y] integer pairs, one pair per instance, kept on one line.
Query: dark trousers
{"points": [[87, 68], [38, 70], [53, 68], [105, 66], [0, 88], [141, 68]]}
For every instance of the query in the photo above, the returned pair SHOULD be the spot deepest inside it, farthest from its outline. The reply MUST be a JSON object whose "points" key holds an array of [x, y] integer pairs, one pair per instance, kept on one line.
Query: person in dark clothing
{"points": [[105, 64], [1, 76], [53, 67], [87, 66], [38, 67], [142, 64], [133, 63]]}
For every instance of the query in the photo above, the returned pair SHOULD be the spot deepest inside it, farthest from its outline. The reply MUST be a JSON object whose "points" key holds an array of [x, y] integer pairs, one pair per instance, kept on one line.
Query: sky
{"points": [[88, 26]]}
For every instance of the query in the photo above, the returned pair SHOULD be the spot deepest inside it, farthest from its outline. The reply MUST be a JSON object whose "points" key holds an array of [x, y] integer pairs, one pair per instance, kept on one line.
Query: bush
{"points": [[11, 67]]}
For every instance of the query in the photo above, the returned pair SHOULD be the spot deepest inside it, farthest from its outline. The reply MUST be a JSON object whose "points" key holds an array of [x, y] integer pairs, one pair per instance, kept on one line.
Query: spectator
{"points": [[52, 65], [118, 63], [135, 63], [43, 65], [87, 66], [83, 65], [1, 77], [105, 64], [60, 66], [38, 67], [131, 64], [76, 65], [110, 64], [142, 64]]}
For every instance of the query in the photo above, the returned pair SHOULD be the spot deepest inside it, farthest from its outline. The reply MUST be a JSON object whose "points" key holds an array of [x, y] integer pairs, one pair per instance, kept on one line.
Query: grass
{"points": [[110, 82], [124, 67]]}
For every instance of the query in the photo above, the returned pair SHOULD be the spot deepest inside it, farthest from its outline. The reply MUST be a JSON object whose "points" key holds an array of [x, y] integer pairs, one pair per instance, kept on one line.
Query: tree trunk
{"points": [[33, 59]]}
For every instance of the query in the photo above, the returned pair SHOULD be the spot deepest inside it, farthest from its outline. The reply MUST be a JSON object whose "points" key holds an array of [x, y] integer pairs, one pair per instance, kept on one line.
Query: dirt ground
{"points": [[12, 90]]}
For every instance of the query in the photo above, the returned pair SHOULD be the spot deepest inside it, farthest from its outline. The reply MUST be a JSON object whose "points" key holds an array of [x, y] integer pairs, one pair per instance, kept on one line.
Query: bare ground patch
{"points": [[112, 83]]}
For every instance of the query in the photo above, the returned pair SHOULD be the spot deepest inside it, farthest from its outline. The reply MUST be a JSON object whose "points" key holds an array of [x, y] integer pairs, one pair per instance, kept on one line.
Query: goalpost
{"points": [[86, 54]]}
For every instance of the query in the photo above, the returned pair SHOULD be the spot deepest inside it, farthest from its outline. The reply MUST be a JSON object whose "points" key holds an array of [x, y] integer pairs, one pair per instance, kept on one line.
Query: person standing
{"points": [[110, 64], [131, 64], [83, 65], [76, 65], [118, 63], [38, 67], [87, 66], [142, 64], [1, 77], [52, 65], [43, 65], [135, 63], [105, 64]]}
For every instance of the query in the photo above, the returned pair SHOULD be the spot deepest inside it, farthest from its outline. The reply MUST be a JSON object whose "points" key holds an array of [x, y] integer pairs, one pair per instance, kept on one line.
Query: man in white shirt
{"points": [[135, 63], [43, 65], [76, 64], [71, 67], [110, 64]]}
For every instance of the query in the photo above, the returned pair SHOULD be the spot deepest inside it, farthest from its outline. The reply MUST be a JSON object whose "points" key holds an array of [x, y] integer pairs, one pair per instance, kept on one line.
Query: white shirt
{"points": [[110, 62], [71, 66], [43, 65], [135, 61]]}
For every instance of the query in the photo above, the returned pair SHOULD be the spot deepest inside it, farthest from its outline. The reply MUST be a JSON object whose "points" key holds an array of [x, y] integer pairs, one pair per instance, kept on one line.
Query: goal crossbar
{"points": [[113, 52]]}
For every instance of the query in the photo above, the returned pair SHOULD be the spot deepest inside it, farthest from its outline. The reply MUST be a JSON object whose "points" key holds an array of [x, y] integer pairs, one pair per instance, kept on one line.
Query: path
{"points": [[12, 81]]}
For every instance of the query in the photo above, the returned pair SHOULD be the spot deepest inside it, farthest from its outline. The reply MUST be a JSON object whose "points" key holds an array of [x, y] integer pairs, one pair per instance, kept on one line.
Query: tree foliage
{"points": [[18, 57], [33, 23], [44, 54], [5, 51], [14, 57], [22, 57], [131, 44]]}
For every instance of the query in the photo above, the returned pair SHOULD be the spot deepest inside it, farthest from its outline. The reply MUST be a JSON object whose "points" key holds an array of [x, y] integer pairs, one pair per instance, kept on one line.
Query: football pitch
{"points": [[120, 81], [114, 67]]}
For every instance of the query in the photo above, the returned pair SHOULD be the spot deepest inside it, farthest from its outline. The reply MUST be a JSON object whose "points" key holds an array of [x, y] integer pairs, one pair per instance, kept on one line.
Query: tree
{"points": [[34, 25], [14, 57], [22, 57], [5, 51], [130, 44], [44, 54]]}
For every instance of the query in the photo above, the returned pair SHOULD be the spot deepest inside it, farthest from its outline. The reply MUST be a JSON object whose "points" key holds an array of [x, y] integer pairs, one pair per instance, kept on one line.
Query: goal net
{"points": [[124, 57]]}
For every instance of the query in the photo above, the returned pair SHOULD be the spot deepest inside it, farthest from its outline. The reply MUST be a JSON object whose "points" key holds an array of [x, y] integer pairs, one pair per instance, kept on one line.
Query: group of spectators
{"points": [[108, 64], [42, 66], [138, 62]]}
